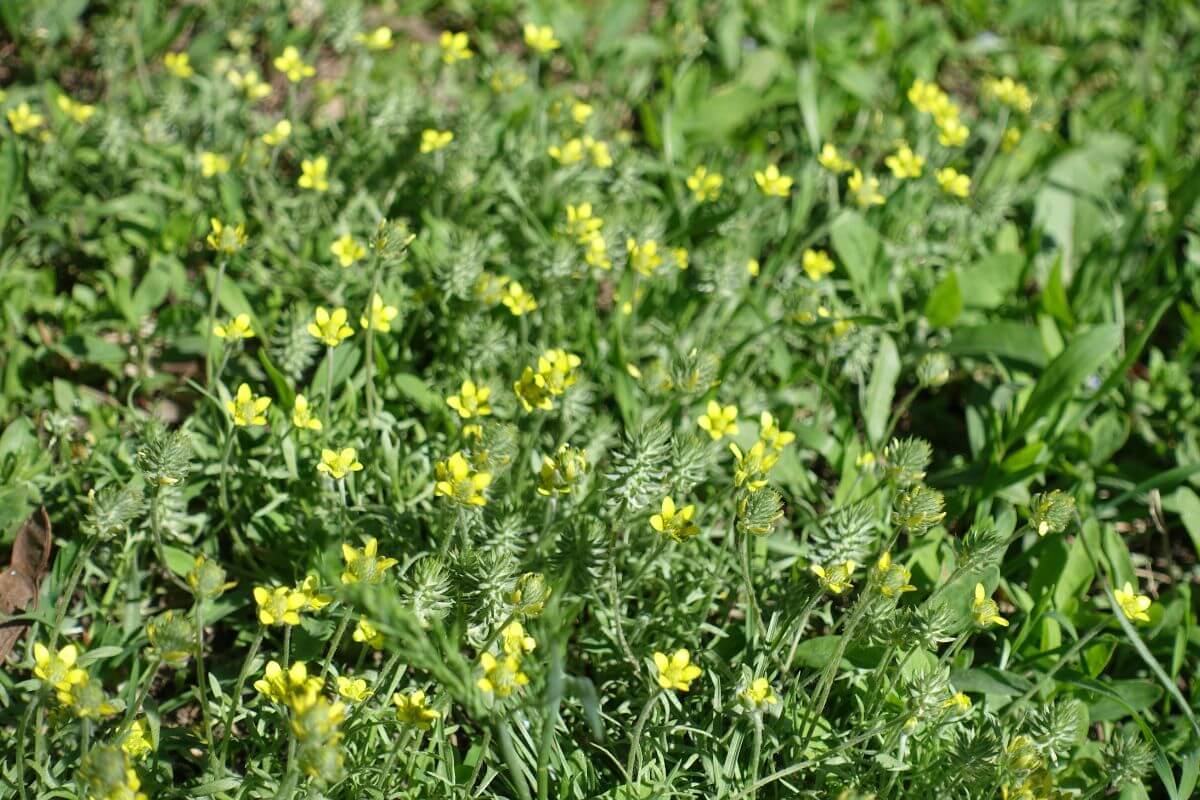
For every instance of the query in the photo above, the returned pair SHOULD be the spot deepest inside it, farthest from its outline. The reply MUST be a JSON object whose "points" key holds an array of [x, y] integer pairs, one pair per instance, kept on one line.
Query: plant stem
{"points": [[230, 435], [753, 616], [337, 639], [554, 693], [371, 341], [236, 700], [136, 706], [510, 758], [202, 680], [212, 320], [328, 387], [755, 752], [22, 732], [60, 610], [635, 741]]}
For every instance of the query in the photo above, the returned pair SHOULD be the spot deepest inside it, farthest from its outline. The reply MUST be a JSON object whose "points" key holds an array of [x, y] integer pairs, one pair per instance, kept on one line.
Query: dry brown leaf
{"points": [[21, 579]]}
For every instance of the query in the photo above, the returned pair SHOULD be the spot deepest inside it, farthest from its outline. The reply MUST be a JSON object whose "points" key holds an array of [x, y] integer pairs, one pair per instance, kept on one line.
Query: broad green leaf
{"points": [[1010, 340], [857, 246], [945, 303], [882, 389]]}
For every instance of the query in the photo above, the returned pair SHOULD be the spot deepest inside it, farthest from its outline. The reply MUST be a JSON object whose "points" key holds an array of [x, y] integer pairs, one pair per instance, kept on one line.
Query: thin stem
{"points": [[329, 387], [64, 599], [371, 340], [755, 752], [202, 680], [635, 741], [397, 746], [230, 435], [554, 693], [212, 320], [22, 732], [287, 646], [336, 640], [236, 699], [140, 698], [753, 615], [514, 764]]}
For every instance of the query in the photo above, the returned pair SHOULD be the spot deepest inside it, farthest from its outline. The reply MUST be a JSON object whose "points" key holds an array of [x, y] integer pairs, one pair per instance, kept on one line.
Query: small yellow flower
{"points": [[580, 112], [249, 83], [506, 80], [817, 264], [540, 38], [837, 578], [557, 367], [531, 390], [517, 300], [596, 253], [291, 687], [313, 174], [704, 185], [905, 163], [57, 670], [770, 432], [455, 46], [1009, 92], [752, 467], [676, 672], [772, 183], [571, 152], [310, 590], [832, 160], [337, 464], [302, 416], [502, 676], [582, 223], [892, 579], [680, 256], [246, 408], [378, 40], [953, 182], [278, 606], [951, 132], [213, 164], [291, 64], [368, 634], [88, 701], [458, 481], [676, 523], [984, 609], [759, 694], [643, 258], [330, 329], [432, 139], [278, 134], [353, 689], [926, 97], [1133, 605], [560, 473], [347, 250], [753, 267], [179, 65], [23, 120], [79, 112], [865, 190], [958, 702], [1012, 138], [381, 316], [237, 328], [365, 565], [718, 421], [136, 744], [515, 641], [471, 400], [598, 150], [411, 710], [226, 238]]}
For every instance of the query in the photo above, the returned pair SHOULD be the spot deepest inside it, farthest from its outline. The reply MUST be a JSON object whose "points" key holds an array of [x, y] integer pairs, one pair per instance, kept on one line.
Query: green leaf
{"points": [[989, 680], [857, 246], [945, 303], [412, 387], [1016, 341], [11, 176], [992, 280], [882, 388]]}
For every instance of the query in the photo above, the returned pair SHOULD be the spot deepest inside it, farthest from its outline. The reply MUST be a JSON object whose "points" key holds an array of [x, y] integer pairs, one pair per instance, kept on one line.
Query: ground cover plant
{"points": [[599, 400]]}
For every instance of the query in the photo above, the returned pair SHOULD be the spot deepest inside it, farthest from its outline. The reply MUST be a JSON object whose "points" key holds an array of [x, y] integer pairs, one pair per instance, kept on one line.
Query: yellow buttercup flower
{"points": [[557, 367], [817, 264], [313, 174], [23, 119], [643, 258], [1133, 605], [759, 694], [515, 641], [347, 250], [718, 421], [411, 709], [339, 463], [353, 689], [752, 466], [957, 702], [951, 132], [310, 590], [582, 223], [984, 609], [560, 473], [772, 183], [891, 579], [471, 400], [455, 47], [432, 140], [292, 65], [225, 238], [770, 432], [460, 482], [837, 578], [540, 38], [595, 253], [753, 267], [506, 80], [79, 112], [368, 634], [832, 160], [517, 300], [905, 163], [865, 190], [531, 390], [381, 316], [246, 408], [237, 328], [302, 416], [378, 40], [88, 701], [291, 687], [953, 182], [135, 743], [571, 152], [57, 670], [680, 256], [179, 65], [1009, 92], [278, 606], [1012, 138], [278, 134], [926, 97], [213, 164], [502, 676], [330, 329], [676, 672], [704, 185], [598, 150], [365, 565], [580, 112], [676, 523], [249, 83]]}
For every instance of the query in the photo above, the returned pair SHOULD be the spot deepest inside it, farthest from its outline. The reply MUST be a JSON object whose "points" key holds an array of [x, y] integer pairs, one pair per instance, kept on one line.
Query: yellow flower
{"points": [[455, 46], [471, 400], [311, 591], [837, 578], [80, 112], [951, 132], [458, 481], [1012, 138], [313, 174], [953, 182], [571, 152], [1133, 605], [582, 223], [226, 238], [753, 267], [676, 672], [517, 300], [501, 677], [817, 264], [135, 744], [676, 523], [432, 140], [302, 416], [506, 80], [719, 421], [246, 408], [984, 609], [772, 183], [278, 606], [278, 134], [865, 191], [237, 328], [680, 256], [23, 120], [249, 83], [337, 464], [213, 164], [644, 257], [381, 316], [905, 163], [347, 250], [704, 185], [292, 687], [596, 253], [770, 432], [365, 565], [598, 150], [892, 579], [752, 466], [531, 390], [88, 701], [958, 702], [540, 38], [1007, 91], [353, 689], [368, 634], [291, 64], [179, 65], [411, 710], [580, 112], [557, 367], [832, 160], [330, 329], [57, 670], [559, 474], [926, 97], [759, 694], [378, 40], [515, 641]]}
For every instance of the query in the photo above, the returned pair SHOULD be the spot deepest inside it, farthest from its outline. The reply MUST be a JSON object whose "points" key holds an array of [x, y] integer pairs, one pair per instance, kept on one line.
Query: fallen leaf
{"points": [[20, 580]]}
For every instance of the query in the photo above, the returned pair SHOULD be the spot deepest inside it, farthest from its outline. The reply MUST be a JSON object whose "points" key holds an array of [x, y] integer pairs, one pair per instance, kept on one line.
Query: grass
{"points": [[565, 469]]}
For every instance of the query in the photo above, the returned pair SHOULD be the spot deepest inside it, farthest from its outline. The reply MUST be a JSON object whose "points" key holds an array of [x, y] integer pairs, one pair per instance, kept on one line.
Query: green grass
{"points": [[990, 391]]}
